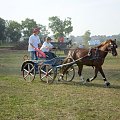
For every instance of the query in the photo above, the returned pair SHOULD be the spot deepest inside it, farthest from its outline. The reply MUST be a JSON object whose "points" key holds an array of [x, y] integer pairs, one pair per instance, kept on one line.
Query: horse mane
{"points": [[103, 43]]}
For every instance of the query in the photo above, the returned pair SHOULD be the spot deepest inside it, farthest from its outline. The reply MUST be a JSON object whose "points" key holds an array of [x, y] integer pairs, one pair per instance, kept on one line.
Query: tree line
{"points": [[11, 31]]}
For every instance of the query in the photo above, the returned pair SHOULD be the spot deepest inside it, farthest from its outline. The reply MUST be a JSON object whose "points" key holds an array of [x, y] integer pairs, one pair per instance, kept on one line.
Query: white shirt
{"points": [[46, 47], [34, 40]]}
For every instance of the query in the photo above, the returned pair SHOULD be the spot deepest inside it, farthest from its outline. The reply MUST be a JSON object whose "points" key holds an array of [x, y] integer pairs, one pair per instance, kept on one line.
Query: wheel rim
{"points": [[29, 72], [69, 74], [47, 73]]}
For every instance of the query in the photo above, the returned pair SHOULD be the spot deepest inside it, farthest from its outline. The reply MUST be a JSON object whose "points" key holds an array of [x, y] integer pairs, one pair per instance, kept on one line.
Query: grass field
{"points": [[20, 100]]}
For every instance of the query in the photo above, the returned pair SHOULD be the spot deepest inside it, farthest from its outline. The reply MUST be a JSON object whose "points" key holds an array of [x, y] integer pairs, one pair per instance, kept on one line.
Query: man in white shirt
{"points": [[34, 42], [47, 47]]}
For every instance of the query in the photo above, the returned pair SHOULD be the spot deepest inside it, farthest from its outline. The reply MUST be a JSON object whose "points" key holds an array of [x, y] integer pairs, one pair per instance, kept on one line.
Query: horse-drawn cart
{"points": [[48, 70]]}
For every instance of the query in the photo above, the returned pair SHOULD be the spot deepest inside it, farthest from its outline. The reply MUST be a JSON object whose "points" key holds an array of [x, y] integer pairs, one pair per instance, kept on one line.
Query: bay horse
{"points": [[95, 58]]}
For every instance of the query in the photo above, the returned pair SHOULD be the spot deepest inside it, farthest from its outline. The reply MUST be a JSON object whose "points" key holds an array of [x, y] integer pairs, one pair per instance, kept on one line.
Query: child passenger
{"points": [[47, 47]]}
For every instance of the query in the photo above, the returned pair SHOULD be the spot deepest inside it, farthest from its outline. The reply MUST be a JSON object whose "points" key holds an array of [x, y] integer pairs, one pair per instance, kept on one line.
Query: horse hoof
{"points": [[107, 84], [88, 80], [59, 79]]}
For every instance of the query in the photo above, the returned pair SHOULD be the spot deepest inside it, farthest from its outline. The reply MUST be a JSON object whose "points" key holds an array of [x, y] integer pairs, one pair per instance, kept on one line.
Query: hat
{"points": [[49, 38], [36, 30]]}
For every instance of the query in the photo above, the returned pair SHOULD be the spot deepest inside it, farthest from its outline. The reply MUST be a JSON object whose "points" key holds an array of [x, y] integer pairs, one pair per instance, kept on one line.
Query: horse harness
{"points": [[93, 56], [94, 53]]}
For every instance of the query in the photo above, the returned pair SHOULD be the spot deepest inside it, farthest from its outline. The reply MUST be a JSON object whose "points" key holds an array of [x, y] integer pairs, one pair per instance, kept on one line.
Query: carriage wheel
{"points": [[69, 74], [47, 73], [29, 72]]}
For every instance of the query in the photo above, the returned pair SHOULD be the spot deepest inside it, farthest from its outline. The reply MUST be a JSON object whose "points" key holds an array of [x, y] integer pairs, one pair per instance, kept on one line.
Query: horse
{"points": [[91, 57]]}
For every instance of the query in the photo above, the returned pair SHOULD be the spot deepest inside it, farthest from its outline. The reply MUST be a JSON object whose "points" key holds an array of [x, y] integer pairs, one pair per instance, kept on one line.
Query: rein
{"points": [[74, 61], [106, 50]]}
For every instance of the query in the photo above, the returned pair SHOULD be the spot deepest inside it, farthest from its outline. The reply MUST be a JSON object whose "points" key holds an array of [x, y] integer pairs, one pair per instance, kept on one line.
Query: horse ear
{"points": [[115, 43]]}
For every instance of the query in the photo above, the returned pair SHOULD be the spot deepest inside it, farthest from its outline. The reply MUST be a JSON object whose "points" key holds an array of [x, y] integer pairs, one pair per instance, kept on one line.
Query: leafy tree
{"points": [[59, 27], [27, 26], [43, 31], [2, 30], [13, 31], [67, 24], [86, 37]]}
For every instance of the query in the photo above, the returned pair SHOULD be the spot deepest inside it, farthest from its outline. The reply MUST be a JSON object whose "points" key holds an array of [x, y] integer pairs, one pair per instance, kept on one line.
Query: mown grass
{"points": [[20, 100]]}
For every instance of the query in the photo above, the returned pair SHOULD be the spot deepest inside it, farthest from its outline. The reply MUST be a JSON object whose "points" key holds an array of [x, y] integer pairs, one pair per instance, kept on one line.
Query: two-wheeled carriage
{"points": [[48, 70]]}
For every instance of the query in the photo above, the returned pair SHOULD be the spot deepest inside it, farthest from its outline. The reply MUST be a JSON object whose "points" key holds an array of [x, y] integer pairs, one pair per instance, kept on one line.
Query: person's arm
{"points": [[31, 41], [32, 45], [52, 47], [40, 45]]}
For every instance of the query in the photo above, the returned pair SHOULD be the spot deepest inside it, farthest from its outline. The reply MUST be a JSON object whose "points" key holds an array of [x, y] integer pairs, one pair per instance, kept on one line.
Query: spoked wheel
{"points": [[47, 73], [69, 74], [29, 72]]}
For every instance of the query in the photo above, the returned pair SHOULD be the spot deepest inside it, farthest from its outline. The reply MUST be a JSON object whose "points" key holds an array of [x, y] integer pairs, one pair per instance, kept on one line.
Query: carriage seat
{"points": [[54, 62]]}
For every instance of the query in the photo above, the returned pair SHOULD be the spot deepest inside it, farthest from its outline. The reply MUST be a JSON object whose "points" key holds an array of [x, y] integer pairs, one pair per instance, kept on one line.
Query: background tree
{"points": [[60, 27], [43, 31], [29, 24], [27, 27], [13, 31], [86, 37], [2, 30], [68, 26]]}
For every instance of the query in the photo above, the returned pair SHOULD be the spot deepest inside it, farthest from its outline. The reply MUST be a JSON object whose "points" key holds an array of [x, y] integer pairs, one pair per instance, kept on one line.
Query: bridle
{"points": [[111, 47]]}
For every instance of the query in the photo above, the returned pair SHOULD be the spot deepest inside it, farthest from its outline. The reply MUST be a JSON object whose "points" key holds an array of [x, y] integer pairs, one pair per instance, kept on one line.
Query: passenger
{"points": [[47, 47], [34, 42]]}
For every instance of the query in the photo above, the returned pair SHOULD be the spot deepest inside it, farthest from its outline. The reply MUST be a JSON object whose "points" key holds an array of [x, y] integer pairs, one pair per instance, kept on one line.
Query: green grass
{"points": [[20, 100]]}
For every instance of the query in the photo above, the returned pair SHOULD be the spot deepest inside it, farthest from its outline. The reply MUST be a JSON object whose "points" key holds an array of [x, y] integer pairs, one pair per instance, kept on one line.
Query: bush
{"points": [[21, 45]]}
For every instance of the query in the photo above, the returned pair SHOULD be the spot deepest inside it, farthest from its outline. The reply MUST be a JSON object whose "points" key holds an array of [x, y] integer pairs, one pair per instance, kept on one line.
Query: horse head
{"points": [[112, 47], [109, 46]]}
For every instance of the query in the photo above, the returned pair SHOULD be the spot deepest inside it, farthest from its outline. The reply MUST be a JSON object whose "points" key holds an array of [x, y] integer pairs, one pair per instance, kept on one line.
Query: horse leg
{"points": [[91, 79], [104, 78], [63, 71], [80, 67], [64, 68]]}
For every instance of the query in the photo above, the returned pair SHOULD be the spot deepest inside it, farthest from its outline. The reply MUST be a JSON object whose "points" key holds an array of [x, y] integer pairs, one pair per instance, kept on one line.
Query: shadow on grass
{"points": [[90, 84]]}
